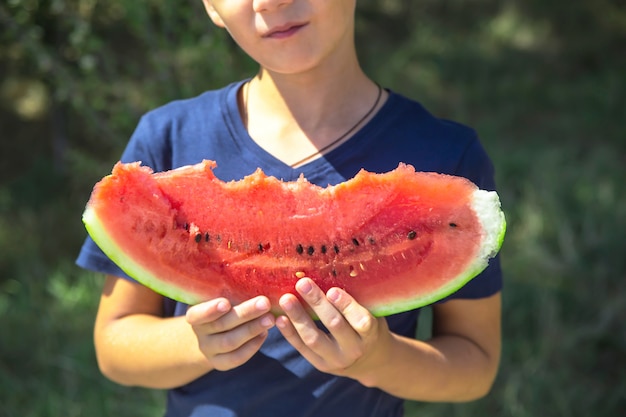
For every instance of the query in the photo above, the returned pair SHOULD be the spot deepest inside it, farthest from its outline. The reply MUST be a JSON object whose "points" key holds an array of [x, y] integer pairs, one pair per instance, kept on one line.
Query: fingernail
{"points": [[305, 286], [281, 322], [262, 304], [222, 306], [287, 303], [267, 321], [333, 295]]}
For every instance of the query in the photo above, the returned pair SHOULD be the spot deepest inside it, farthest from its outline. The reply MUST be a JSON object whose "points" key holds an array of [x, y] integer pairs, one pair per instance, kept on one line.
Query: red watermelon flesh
{"points": [[395, 241]]}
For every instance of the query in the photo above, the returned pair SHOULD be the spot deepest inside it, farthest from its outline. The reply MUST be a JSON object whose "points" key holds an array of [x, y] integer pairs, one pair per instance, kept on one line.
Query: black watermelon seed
{"points": [[299, 249], [310, 250], [371, 240], [198, 237], [260, 247], [453, 224], [334, 272], [355, 241], [324, 249], [412, 235], [207, 237], [186, 226], [336, 248]]}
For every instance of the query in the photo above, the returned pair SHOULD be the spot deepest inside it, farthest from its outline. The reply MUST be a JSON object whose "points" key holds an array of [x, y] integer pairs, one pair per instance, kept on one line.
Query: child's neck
{"points": [[293, 117]]}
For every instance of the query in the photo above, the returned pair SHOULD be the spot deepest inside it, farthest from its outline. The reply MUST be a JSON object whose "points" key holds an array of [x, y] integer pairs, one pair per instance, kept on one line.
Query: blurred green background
{"points": [[543, 82]]}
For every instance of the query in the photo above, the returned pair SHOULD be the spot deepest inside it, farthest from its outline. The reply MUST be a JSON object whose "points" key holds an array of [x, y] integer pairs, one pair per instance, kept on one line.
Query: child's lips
{"points": [[284, 31]]}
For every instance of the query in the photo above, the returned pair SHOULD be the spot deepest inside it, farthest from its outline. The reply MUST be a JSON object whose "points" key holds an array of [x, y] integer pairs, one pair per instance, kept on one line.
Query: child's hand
{"points": [[357, 341], [229, 336]]}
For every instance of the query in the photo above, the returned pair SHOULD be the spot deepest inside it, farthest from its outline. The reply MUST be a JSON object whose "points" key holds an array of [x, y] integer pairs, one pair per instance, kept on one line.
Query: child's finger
{"points": [[218, 316], [208, 311], [357, 316], [299, 330], [332, 317], [235, 358]]}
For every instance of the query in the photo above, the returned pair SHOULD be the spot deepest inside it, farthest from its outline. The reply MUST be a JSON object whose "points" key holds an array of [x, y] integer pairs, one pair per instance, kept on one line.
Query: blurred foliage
{"points": [[544, 83]]}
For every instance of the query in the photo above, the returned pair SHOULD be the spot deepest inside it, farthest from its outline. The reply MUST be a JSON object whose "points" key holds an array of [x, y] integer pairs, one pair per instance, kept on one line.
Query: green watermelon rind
{"points": [[487, 207]]}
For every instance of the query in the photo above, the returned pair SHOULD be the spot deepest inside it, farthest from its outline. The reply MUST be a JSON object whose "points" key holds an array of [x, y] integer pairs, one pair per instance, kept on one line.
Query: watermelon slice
{"points": [[395, 241]]}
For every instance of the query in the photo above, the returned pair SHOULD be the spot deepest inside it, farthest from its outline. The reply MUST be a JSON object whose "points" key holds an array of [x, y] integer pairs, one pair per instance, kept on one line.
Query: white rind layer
{"points": [[486, 205]]}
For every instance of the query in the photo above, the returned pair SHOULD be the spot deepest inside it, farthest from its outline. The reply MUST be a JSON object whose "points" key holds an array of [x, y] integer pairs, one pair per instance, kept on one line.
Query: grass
{"points": [[48, 367]]}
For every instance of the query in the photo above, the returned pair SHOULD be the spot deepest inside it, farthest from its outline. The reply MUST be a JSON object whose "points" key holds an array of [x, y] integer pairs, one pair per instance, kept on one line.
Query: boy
{"points": [[311, 110]]}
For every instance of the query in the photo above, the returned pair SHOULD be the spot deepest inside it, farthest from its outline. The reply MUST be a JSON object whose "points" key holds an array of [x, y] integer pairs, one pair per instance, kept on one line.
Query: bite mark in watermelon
{"points": [[395, 241]]}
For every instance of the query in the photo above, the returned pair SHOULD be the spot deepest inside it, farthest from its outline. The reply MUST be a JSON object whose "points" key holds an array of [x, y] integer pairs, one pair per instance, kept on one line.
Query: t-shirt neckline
{"points": [[252, 150]]}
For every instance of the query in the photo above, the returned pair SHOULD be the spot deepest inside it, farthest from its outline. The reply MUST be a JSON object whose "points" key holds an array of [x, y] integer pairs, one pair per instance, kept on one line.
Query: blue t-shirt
{"points": [[277, 381]]}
